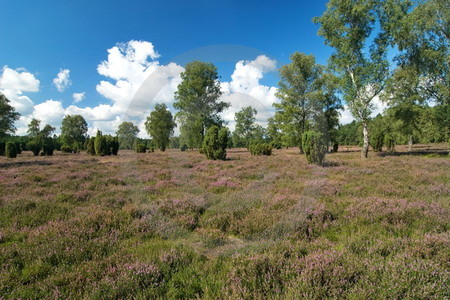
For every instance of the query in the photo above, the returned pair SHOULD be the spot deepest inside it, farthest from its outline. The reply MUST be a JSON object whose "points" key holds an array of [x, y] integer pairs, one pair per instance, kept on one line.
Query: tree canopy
{"points": [[160, 125], [8, 116]]}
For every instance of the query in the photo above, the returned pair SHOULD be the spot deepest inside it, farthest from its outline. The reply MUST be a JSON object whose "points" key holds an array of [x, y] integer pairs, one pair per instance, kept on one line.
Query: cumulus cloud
{"points": [[13, 83], [140, 80], [245, 89], [78, 97], [62, 80], [134, 81]]}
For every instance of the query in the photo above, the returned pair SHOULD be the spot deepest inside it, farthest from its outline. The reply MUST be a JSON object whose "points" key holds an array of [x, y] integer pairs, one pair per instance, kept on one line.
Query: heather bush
{"points": [[314, 146], [260, 149], [215, 143], [10, 150]]}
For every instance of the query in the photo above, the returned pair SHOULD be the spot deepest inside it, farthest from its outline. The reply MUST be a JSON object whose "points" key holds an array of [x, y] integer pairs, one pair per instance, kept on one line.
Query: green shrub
{"points": [[260, 149], [377, 140], [48, 146], [140, 148], [10, 150], [2, 148], [34, 147], [184, 148], [66, 149], [101, 144], [315, 146], [90, 147], [215, 143], [115, 145], [335, 147]]}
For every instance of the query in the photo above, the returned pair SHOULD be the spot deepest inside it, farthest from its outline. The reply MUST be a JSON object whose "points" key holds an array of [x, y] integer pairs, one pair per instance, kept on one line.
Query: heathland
{"points": [[176, 225]]}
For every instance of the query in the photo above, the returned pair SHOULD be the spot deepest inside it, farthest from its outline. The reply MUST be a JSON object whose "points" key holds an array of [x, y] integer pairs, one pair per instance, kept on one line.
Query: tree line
{"points": [[415, 85]]}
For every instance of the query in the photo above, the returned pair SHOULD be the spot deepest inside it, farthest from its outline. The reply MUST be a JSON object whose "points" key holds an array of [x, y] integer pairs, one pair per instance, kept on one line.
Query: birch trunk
{"points": [[365, 149], [410, 143]]}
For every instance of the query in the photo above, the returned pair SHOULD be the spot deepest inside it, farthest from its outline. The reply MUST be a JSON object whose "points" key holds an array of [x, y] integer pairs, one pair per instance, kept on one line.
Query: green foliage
{"points": [[73, 130], [315, 147], [245, 125], [174, 142], [298, 94], [48, 146], [126, 134], [335, 146], [10, 150], [101, 144], [197, 102], [378, 131], [66, 149], [8, 116], [140, 148], [34, 147], [160, 125], [184, 147], [215, 143], [2, 148], [90, 147], [260, 149]]}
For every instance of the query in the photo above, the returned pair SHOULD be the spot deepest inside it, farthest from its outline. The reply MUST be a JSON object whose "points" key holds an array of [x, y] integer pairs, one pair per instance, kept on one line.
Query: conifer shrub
{"points": [[10, 150], [66, 149], [260, 149], [140, 148], [90, 146], [377, 140], [48, 146], [215, 143], [335, 147], [183, 148], [34, 147], [314, 146], [101, 144], [2, 148], [115, 145]]}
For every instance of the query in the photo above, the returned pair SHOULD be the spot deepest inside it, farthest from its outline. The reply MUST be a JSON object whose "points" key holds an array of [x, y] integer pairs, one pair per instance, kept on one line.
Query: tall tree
{"points": [[405, 96], [245, 126], [358, 32], [127, 133], [34, 128], [423, 39], [160, 125], [73, 130], [7, 117], [197, 100], [298, 94]]}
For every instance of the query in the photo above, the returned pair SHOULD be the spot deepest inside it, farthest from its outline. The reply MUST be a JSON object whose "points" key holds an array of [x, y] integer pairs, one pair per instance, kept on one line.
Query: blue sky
{"points": [[41, 38]]}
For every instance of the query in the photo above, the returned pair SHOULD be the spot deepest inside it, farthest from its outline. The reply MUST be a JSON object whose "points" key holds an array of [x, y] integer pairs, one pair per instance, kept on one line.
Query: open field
{"points": [[175, 225]]}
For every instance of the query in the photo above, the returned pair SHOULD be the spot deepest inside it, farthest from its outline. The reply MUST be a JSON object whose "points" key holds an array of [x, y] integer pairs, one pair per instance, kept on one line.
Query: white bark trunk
{"points": [[365, 149], [410, 143]]}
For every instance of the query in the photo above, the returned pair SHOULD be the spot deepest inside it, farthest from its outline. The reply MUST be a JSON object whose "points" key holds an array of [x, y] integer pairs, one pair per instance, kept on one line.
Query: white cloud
{"points": [[13, 83], [49, 112], [78, 97], [62, 80], [140, 79], [245, 89]]}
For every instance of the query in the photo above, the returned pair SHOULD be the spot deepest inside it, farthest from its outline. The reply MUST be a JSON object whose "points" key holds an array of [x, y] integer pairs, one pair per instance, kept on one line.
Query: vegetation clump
{"points": [[315, 146], [260, 149], [215, 143], [10, 150]]}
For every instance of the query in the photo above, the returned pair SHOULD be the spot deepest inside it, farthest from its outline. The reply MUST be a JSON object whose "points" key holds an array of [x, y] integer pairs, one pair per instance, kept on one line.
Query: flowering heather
{"points": [[174, 225]]}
